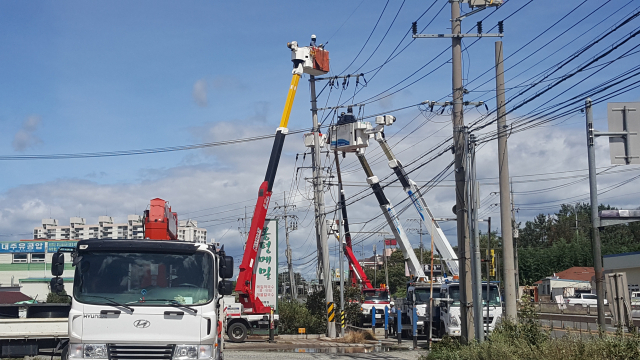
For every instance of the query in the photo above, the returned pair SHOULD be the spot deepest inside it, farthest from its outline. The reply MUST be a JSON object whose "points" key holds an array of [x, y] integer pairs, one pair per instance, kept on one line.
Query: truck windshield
{"points": [[423, 294], [144, 279], [376, 295], [493, 298]]}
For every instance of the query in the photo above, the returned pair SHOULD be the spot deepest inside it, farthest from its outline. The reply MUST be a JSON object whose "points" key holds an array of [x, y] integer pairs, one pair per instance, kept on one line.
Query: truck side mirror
{"points": [[57, 265], [226, 267], [57, 285], [225, 287]]}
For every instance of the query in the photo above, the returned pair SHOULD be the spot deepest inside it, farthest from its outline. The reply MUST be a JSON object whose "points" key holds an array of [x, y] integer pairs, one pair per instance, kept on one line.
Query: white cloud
{"points": [[25, 137], [200, 92], [215, 185]]}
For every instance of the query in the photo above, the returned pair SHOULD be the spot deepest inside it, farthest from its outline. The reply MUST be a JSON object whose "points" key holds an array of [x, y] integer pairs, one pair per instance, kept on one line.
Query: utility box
{"points": [[478, 3], [350, 137], [309, 140]]}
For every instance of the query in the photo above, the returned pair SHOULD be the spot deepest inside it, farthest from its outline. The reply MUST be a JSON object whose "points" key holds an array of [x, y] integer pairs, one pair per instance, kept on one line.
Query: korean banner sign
{"points": [[22, 247], [267, 267]]}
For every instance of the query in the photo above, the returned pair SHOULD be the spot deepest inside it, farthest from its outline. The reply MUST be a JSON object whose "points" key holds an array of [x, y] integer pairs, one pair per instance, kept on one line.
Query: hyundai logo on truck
{"points": [[141, 324]]}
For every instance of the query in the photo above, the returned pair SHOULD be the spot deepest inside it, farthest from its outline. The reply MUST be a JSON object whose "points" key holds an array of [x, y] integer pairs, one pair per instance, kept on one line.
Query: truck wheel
{"points": [[237, 332], [65, 353]]}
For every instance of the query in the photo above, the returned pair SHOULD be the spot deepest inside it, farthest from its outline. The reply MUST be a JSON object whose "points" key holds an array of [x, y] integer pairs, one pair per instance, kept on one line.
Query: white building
{"points": [[79, 230], [27, 264], [626, 262], [106, 228], [188, 230]]}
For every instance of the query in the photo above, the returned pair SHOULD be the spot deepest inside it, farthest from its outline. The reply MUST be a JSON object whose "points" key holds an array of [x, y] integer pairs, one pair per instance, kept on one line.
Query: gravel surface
{"points": [[283, 355]]}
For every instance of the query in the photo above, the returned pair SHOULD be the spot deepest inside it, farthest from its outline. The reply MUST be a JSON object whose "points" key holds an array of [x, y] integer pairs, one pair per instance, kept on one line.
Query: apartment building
{"points": [[106, 228], [188, 230]]}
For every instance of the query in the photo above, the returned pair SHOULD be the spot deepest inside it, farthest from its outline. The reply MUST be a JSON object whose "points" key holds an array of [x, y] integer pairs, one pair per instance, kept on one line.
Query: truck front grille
{"points": [[140, 352]]}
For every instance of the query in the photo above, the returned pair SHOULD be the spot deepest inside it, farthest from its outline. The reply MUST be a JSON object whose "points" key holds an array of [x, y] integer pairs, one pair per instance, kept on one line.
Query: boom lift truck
{"points": [[312, 60], [446, 313], [145, 298], [350, 135]]}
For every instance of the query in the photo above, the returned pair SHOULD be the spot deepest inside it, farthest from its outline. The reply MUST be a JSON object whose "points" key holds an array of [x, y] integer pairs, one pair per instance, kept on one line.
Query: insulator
{"points": [[414, 27], [500, 26], [479, 27]]}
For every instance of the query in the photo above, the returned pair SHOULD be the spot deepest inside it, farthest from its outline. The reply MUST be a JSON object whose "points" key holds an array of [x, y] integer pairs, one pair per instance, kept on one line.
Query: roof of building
{"points": [[12, 297], [576, 273], [623, 254]]}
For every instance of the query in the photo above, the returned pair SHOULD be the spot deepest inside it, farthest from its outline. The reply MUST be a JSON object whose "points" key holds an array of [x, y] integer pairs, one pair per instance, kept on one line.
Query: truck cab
{"points": [[418, 295], [142, 299], [374, 298], [450, 307]]}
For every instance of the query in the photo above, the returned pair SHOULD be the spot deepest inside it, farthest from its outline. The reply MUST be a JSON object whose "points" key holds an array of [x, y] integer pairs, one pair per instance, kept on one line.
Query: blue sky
{"points": [[83, 76]]}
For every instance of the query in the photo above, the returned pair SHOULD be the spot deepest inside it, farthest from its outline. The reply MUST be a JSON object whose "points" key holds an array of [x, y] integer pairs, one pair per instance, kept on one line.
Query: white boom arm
{"points": [[392, 219], [411, 188]]}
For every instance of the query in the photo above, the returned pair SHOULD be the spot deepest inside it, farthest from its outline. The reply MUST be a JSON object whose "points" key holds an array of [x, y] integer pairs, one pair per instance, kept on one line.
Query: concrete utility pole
{"points": [[472, 205], [460, 177], [595, 218], [341, 239], [287, 230], [510, 293], [321, 225], [515, 241], [464, 255]]}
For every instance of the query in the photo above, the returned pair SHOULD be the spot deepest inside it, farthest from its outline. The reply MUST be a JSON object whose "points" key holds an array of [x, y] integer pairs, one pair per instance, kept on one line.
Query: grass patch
{"points": [[527, 340], [358, 337]]}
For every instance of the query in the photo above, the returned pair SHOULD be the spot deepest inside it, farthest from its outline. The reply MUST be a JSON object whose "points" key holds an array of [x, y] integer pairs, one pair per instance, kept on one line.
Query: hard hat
{"points": [[391, 303]]}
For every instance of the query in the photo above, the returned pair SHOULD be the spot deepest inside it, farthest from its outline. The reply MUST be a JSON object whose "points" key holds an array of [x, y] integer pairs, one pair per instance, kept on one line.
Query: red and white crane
{"points": [[312, 60]]}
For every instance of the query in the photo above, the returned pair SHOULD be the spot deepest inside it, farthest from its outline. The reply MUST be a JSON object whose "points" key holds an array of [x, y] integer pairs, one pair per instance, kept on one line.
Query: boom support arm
{"points": [[356, 273], [392, 219], [246, 281], [411, 188]]}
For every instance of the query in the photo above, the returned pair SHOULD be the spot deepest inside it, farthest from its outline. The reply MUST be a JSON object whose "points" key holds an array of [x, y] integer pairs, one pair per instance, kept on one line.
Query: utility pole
{"points": [[321, 230], [515, 243], [595, 218], [510, 293], [375, 267], [488, 272], [287, 230], [460, 175], [459, 144], [342, 240], [386, 272], [472, 205]]}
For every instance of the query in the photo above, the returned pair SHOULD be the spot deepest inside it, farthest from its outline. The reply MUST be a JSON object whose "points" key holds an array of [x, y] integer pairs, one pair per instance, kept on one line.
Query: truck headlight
{"points": [[204, 352], [75, 351], [188, 352], [454, 321], [95, 351], [185, 352]]}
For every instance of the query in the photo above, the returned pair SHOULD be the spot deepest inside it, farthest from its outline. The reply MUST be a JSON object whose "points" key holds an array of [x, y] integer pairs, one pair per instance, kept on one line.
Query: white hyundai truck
{"points": [[450, 308], [145, 299]]}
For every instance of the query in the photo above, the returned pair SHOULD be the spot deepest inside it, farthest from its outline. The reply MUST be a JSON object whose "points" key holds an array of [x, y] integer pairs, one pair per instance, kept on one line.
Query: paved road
{"points": [[282, 355]]}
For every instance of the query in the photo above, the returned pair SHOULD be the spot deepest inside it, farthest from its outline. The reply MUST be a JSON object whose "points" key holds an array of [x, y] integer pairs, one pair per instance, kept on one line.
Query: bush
{"points": [[525, 339], [294, 315], [62, 298]]}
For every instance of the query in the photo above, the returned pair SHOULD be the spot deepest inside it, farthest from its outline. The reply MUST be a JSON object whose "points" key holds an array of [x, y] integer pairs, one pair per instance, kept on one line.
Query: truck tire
{"points": [[237, 332], [65, 353]]}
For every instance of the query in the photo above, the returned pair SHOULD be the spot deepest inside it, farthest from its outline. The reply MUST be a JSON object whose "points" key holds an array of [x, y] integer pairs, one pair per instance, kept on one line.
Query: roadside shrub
{"points": [[525, 339], [294, 315], [62, 298]]}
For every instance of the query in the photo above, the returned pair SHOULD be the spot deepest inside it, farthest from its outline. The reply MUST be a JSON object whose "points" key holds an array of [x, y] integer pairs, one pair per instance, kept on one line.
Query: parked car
{"points": [[584, 300]]}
